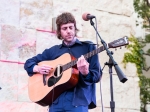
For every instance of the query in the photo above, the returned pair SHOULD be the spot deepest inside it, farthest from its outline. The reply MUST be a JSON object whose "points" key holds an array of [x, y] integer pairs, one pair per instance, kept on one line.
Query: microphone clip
{"points": [[90, 16]]}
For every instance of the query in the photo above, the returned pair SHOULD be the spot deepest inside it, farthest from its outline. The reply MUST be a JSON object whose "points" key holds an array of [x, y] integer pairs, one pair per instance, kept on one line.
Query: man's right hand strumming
{"points": [[42, 69]]}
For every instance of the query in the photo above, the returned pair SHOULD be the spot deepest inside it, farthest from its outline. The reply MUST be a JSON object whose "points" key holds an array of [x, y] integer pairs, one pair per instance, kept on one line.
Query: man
{"points": [[82, 96]]}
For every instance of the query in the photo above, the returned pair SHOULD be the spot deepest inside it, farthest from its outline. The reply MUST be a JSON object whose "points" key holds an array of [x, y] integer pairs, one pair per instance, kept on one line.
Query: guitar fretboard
{"points": [[117, 43], [86, 56]]}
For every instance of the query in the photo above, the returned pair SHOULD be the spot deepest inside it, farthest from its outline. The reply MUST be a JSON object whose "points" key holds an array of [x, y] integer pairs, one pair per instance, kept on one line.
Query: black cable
{"points": [[101, 97], [53, 93], [99, 69]]}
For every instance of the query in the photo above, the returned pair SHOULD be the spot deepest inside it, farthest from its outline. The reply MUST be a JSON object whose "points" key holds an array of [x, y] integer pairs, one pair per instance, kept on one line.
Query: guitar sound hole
{"points": [[58, 74]]}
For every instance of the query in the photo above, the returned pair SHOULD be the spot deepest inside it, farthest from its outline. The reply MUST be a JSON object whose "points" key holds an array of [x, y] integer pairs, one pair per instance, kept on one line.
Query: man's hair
{"points": [[65, 18]]}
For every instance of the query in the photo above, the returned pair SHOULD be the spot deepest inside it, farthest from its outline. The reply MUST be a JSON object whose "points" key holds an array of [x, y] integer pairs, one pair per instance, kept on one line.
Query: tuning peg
{"points": [[115, 49], [120, 47]]}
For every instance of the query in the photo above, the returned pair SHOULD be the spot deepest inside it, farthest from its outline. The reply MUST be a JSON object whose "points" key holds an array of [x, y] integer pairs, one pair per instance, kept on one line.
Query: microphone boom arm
{"points": [[120, 74]]}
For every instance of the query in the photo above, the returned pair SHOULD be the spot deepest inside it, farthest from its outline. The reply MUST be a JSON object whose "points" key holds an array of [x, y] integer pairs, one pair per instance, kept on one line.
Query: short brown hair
{"points": [[65, 18]]}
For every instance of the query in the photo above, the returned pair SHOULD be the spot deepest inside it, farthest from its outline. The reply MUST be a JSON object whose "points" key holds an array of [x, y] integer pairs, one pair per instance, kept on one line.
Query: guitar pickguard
{"points": [[52, 81]]}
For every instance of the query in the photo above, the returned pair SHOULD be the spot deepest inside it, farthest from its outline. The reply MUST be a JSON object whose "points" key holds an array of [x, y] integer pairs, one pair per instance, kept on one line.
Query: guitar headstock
{"points": [[118, 43]]}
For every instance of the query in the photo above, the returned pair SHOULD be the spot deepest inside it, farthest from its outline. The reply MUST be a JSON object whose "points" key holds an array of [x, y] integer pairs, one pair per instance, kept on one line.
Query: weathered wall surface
{"points": [[25, 30]]}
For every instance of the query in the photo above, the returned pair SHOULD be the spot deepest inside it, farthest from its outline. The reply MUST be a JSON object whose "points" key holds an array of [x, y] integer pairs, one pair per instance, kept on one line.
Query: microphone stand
{"points": [[111, 63]]}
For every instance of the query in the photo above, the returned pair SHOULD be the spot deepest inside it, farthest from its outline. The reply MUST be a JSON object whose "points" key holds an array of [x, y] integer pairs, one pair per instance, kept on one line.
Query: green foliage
{"points": [[136, 56], [142, 7], [144, 91], [147, 38], [148, 51]]}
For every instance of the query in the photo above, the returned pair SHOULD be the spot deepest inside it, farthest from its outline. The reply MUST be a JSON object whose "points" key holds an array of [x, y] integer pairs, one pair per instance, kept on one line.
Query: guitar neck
{"points": [[86, 56], [116, 43]]}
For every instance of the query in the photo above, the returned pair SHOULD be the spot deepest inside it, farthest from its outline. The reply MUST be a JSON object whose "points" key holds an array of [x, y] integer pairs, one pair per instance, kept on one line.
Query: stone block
{"points": [[23, 85], [45, 40], [99, 109], [10, 12], [39, 108], [27, 44], [8, 81], [10, 106], [10, 37], [36, 15], [124, 7], [126, 95]]}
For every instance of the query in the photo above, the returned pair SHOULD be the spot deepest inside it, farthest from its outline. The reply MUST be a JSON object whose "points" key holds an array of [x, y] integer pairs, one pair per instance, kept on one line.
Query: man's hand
{"points": [[44, 69], [83, 65]]}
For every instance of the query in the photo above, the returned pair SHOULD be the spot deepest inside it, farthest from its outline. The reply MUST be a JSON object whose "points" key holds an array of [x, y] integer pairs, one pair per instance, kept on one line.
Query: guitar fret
{"points": [[63, 67], [92, 53], [71, 64], [85, 56], [96, 51], [88, 55], [74, 62], [68, 65]]}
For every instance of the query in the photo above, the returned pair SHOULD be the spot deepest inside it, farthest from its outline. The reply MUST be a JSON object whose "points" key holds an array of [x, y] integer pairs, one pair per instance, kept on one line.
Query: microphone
{"points": [[87, 16]]}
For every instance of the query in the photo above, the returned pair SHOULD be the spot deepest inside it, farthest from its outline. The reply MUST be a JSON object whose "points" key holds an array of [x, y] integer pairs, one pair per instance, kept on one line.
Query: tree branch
{"points": [[147, 2], [146, 69], [148, 19], [146, 54]]}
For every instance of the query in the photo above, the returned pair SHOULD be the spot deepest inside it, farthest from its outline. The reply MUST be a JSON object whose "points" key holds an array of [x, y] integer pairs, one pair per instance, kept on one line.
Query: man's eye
{"points": [[63, 28], [71, 27]]}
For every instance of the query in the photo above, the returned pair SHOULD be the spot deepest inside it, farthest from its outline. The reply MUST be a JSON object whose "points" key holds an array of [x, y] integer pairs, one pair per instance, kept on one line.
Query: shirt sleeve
{"points": [[95, 72], [31, 62]]}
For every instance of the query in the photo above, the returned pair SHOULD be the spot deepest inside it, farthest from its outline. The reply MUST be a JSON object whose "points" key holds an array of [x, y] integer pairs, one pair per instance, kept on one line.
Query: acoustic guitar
{"points": [[44, 89]]}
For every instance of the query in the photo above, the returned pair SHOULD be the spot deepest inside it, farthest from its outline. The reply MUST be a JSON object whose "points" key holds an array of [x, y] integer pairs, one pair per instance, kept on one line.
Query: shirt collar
{"points": [[76, 42]]}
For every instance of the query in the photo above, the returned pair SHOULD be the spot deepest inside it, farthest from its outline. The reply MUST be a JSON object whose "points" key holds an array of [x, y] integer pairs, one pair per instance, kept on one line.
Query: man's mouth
{"points": [[69, 36]]}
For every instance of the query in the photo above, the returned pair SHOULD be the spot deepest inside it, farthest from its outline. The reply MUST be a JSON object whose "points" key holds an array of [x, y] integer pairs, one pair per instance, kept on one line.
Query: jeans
{"points": [[64, 104]]}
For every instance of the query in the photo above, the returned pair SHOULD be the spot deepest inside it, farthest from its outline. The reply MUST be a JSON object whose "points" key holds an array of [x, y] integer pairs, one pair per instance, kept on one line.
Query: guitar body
{"points": [[44, 95]]}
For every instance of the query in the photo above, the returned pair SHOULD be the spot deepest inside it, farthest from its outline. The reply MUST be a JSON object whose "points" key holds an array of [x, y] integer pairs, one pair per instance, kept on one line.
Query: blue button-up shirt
{"points": [[84, 92]]}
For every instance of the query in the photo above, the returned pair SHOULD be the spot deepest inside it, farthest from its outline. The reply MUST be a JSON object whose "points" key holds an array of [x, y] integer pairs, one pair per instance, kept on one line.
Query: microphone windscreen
{"points": [[84, 16]]}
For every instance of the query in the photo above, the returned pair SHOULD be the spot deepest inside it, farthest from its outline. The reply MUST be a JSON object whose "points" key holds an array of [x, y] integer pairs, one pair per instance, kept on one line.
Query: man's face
{"points": [[67, 32]]}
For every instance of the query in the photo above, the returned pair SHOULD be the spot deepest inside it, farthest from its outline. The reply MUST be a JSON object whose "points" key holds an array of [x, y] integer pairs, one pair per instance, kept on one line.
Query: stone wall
{"points": [[26, 30]]}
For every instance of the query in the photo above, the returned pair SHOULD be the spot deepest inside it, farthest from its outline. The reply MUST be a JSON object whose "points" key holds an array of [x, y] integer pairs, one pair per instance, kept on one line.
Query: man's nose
{"points": [[68, 30]]}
